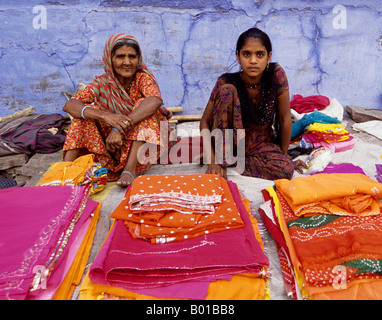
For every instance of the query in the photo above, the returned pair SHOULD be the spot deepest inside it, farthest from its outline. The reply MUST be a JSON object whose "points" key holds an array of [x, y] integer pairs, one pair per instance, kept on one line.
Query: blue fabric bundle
{"points": [[299, 126]]}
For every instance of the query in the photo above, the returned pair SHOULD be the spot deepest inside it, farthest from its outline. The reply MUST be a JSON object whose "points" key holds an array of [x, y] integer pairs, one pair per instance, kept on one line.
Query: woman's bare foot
{"points": [[126, 179], [71, 155]]}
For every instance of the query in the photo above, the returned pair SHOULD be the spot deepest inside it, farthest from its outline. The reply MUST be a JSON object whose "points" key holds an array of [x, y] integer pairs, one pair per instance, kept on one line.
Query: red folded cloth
{"points": [[308, 104]]}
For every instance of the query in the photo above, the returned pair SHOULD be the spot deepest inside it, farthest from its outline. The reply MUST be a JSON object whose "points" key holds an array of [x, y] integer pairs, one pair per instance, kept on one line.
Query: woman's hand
{"points": [[217, 169], [299, 164], [119, 121], [114, 141]]}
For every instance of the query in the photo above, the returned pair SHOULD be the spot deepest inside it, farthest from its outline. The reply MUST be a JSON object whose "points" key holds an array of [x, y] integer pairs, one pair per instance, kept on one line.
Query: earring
{"points": [[268, 66]]}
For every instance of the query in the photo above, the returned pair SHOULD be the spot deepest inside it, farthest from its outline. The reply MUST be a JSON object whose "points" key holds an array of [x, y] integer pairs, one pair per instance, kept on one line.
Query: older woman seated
{"points": [[112, 112]]}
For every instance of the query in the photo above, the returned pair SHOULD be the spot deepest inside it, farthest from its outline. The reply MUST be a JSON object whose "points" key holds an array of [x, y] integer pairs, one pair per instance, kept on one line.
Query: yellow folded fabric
{"points": [[101, 196], [68, 172], [297, 267], [336, 128], [75, 273]]}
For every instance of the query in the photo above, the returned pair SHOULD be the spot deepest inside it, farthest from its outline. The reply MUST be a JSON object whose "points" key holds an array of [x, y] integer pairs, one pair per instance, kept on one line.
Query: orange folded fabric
{"points": [[365, 289], [338, 194], [181, 193], [201, 204], [320, 244]]}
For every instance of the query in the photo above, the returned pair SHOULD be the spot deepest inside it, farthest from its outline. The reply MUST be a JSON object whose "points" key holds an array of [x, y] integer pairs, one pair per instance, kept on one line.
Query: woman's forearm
{"points": [[285, 120], [286, 131], [284, 143], [78, 110], [145, 109], [75, 108], [205, 132]]}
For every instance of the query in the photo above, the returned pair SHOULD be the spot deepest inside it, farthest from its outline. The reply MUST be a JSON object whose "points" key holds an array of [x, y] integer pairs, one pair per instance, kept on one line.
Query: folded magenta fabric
{"points": [[379, 172], [185, 266], [308, 104], [341, 168], [38, 226], [55, 279]]}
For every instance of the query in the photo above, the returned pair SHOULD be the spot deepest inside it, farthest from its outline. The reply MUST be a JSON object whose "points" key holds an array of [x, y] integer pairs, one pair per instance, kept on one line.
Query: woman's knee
{"points": [[270, 169], [286, 169]]}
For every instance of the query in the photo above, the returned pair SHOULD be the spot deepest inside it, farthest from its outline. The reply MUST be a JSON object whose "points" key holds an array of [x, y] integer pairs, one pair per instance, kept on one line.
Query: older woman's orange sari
{"points": [[106, 93]]}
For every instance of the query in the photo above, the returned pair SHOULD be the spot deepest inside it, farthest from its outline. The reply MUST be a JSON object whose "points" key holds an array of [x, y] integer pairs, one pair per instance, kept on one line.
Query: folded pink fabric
{"points": [[141, 267], [338, 146], [187, 290], [35, 223]]}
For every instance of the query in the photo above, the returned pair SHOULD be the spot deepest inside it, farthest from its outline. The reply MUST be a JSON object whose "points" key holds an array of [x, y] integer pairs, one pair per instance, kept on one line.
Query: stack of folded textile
{"points": [[172, 208], [81, 172], [46, 236], [328, 228], [316, 130], [301, 106], [329, 134], [211, 247]]}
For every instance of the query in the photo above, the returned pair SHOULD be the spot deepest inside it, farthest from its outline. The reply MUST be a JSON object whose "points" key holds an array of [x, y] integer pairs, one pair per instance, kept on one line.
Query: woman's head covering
{"points": [[110, 94], [106, 57]]}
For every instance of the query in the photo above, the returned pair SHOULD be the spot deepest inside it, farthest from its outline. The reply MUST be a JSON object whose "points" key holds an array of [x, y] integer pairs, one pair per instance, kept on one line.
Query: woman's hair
{"points": [[125, 42], [257, 34]]}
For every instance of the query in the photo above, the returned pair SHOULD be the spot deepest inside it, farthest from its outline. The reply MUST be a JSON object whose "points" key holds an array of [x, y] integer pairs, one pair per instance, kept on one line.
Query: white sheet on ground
{"points": [[373, 127]]}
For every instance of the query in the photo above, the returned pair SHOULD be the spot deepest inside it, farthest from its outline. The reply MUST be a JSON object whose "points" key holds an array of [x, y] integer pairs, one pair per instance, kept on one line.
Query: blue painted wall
{"points": [[328, 48]]}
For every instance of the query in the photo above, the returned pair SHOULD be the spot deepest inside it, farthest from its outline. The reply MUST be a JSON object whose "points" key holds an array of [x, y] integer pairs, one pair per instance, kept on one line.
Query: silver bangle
{"points": [[82, 112]]}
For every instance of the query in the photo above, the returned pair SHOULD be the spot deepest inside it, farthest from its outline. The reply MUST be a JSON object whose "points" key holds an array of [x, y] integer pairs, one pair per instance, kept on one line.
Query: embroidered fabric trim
{"points": [[186, 200]]}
